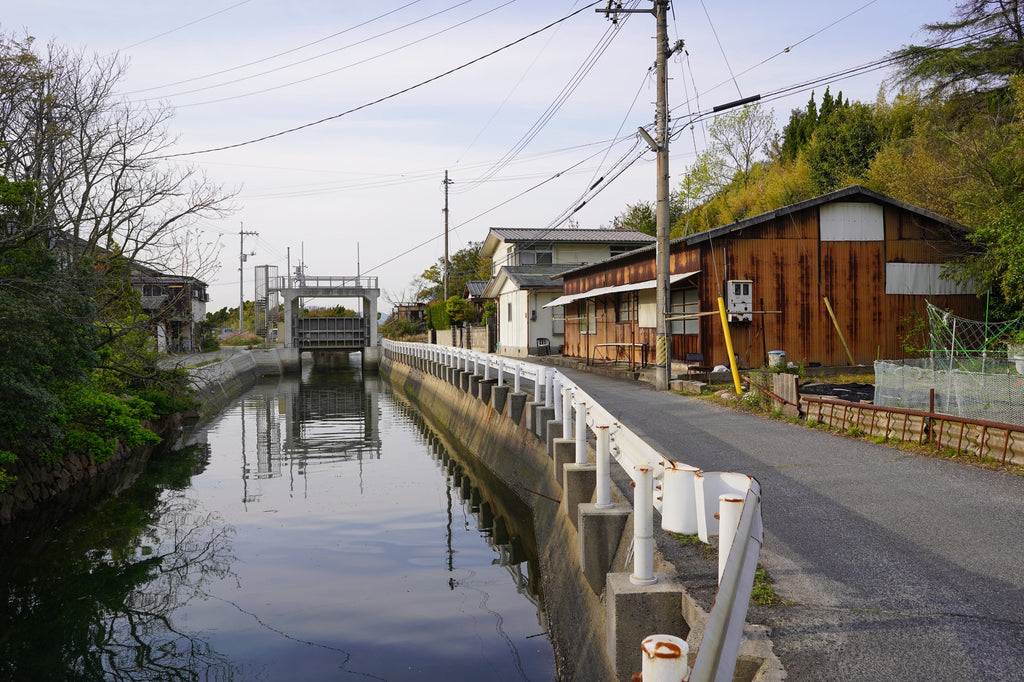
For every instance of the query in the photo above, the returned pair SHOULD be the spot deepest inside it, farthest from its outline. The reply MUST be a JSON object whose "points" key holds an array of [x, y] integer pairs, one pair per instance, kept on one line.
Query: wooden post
{"points": [[839, 331]]}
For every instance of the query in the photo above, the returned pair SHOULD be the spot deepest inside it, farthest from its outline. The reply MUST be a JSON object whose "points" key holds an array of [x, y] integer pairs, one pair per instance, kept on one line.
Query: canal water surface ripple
{"points": [[316, 529]]}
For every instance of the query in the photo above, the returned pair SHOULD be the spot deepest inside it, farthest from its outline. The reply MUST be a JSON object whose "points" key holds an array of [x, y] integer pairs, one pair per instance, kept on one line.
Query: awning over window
{"points": [[635, 286]]}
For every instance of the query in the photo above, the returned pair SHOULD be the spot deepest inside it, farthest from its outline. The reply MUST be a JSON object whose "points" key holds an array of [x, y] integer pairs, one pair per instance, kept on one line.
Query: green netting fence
{"points": [[974, 369]]}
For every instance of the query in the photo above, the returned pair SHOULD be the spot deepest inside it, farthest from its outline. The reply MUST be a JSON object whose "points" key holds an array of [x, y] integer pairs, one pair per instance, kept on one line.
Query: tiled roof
{"points": [[535, 276], [476, 287]]}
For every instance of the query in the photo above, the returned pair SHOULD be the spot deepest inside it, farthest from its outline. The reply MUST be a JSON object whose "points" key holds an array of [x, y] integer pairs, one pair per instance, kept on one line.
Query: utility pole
{"points": [[241, 282], [663, 299], [445, 211]]}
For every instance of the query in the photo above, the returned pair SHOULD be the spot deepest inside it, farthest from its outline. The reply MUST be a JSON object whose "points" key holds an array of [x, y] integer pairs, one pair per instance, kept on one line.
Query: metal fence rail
{"points": [[691, 501]]}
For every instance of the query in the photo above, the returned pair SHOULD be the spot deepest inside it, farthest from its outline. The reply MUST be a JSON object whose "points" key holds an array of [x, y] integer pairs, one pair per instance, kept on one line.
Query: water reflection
{"points": [[95, 597], [318, 422], [309, 532]]}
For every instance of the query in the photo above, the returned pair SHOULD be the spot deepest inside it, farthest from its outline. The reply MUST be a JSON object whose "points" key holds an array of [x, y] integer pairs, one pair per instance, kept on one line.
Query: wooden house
{"points": [[873, 259]]}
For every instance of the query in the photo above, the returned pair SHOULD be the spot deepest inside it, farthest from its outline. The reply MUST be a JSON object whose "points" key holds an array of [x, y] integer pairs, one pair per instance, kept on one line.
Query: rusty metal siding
{"points": [[791, 271]]}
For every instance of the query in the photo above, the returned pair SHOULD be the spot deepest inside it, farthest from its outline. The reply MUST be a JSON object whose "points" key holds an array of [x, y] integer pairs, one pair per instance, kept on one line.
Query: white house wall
{"points": [[514, 322], [500, 257], [579, 253]]}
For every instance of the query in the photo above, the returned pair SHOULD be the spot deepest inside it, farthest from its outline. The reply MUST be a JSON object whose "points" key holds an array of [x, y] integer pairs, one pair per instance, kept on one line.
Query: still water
{"points": [[315, 530]]}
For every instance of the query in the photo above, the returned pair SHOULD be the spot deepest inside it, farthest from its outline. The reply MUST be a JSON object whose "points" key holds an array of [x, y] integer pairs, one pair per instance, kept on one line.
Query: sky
{"points": [[527, 104]]}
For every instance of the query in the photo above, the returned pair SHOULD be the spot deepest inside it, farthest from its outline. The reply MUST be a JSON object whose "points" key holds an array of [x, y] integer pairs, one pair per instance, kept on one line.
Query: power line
{"points": [[381, 99], [191, 23], [581, 72], [279, 54], [332, 71]]}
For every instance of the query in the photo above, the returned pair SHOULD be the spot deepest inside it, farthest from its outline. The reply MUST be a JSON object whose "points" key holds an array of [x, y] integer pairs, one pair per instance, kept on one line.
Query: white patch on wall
{"points": [[647, 309], [920, 279], [851, 222]]}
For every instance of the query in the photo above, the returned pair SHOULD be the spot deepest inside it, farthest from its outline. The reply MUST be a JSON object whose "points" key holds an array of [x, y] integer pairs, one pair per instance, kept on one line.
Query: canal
{"points": [[316, 529]]}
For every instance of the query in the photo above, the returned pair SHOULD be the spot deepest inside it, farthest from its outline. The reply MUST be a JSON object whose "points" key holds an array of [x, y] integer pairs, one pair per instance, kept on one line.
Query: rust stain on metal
{"points": [[662, 649]]}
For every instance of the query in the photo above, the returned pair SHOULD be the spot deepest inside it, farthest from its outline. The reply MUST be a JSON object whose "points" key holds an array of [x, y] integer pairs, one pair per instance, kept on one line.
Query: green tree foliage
{"points": [[460, 310], [464, 265], [437, 315], [329, 311], [639, 216], [977, 50], [842, 147], [85, 193]]}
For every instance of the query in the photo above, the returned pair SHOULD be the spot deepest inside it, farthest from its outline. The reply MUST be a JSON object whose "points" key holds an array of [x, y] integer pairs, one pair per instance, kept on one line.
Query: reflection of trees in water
{"points": [[95, 597], [178, 556]]}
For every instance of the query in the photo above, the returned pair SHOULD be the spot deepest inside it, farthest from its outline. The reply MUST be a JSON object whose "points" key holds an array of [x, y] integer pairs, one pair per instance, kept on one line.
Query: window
{"points": [[686, 302], [509, 308], [619, 249], [624, 308], [537, 254], [588, 317], [558, 323]]}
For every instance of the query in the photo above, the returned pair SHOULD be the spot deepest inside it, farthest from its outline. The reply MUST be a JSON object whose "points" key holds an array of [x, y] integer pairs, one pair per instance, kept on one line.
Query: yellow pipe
{"points": [[728, 346], [839, 331]]}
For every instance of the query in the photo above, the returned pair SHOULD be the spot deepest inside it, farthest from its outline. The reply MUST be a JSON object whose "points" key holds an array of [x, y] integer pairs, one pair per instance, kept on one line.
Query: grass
{"points": [[705, 550], [763, 592]]}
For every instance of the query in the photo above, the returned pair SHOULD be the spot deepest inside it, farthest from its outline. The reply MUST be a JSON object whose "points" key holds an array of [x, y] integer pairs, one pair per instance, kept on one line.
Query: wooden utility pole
{"points": [[445, 274], [241, 282], [663, 296]]}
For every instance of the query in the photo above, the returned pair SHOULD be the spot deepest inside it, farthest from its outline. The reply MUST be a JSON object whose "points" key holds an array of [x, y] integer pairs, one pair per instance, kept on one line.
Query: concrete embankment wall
{"points": [[216, 384], [576, 614], [76, 477]]}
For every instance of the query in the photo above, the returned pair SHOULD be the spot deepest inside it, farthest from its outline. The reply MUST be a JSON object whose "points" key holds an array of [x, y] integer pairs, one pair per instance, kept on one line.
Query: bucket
{"points": [[776, 358]]}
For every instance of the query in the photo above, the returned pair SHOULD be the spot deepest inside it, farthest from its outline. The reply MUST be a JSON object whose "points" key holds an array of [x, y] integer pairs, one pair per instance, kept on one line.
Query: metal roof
{"points": [[531, 235], [476, 287], [526, 277], [603, 236], [603, 291]]}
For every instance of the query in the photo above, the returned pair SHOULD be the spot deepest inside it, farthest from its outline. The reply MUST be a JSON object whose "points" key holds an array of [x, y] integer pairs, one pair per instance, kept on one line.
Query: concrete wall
{"points": [[473, 337]]}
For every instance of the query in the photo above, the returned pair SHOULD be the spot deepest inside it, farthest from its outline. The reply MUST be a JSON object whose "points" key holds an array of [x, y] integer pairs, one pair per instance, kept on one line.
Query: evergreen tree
{"points": [[976, 51]]}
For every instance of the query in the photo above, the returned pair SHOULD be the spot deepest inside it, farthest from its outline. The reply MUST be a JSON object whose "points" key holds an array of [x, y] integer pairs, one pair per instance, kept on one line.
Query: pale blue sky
{"points": [[374, 176]]}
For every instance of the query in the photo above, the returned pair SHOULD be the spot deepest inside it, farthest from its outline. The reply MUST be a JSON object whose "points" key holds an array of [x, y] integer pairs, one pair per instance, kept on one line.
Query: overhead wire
{"points": [[278, 54], [581, 72], [354, 64], [186, 25], [383, 98]]}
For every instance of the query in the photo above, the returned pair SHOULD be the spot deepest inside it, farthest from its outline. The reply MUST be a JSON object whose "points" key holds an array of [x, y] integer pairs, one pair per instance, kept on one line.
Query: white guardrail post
{"points": [[566, 412], [643, 527], [603, 495], [581, 432], [664, 658]]}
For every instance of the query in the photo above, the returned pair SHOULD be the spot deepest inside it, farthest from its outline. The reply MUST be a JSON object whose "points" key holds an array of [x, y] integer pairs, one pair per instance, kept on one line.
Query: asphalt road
{"points": [[895, 566]]}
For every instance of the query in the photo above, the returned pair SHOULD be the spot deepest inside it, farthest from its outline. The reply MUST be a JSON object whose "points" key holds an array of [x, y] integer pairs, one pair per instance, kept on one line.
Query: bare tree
{"points": [[98, 160]]}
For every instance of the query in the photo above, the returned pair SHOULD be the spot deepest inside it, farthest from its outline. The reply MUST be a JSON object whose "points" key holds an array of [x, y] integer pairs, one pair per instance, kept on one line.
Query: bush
{"points": [[400, 329]]}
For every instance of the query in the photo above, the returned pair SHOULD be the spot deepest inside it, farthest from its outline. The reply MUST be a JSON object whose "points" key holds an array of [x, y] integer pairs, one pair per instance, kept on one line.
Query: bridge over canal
{"points": [[351, 334]]}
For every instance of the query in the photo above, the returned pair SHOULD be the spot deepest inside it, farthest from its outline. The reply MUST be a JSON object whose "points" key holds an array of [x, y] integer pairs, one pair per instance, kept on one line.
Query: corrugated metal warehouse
{"points": [[874, 259]]}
